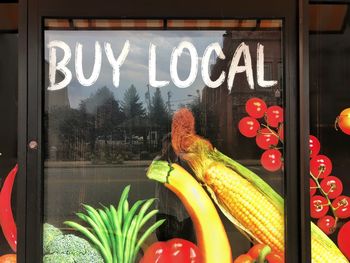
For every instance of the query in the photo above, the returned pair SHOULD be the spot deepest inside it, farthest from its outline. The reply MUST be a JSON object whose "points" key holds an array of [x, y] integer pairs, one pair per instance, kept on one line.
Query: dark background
{"points": [[8, 113]]}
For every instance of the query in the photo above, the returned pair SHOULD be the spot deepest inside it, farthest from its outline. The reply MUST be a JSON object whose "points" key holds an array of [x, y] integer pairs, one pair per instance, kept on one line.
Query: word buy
{"points": [[116, 61]]}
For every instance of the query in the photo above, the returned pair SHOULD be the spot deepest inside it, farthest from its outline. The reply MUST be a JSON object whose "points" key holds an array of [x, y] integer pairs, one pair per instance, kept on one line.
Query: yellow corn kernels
{"points": [[257, 214], [248, 205]]}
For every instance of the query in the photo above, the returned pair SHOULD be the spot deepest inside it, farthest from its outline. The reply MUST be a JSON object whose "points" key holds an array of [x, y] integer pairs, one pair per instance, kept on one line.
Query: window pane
{"points": [[196, 103], [329, 127]]}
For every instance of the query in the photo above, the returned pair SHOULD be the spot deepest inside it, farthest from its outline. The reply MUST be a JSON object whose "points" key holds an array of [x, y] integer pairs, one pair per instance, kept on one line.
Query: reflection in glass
{"points": [[102, 137]]}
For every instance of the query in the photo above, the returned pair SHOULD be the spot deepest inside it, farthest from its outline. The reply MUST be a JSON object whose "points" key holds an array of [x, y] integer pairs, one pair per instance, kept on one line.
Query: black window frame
{"points": [[296, 100]]}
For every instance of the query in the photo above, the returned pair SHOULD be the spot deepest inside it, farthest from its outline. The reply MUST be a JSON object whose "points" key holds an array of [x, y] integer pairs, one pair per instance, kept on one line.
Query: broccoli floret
{"points": [[58, 258], [50, 233], [69, 249]]}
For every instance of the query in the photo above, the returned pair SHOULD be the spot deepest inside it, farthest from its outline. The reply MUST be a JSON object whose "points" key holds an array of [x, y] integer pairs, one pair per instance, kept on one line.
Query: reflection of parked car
{"points": [[137, 139]]}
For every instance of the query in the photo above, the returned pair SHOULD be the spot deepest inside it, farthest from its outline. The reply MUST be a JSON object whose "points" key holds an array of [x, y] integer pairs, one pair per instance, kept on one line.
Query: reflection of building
{"points": [[53, 99], [224, 109]]}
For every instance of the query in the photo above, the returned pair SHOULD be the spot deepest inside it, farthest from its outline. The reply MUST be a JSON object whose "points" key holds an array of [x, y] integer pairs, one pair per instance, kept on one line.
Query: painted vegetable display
{"points": [[249, 202], [7, 221], [58, 247], [268, 132], [329, 206], [8, 258], [175, 250], [343, 121], [210, 232], [344, 239], [260, 253], [115, 231]]}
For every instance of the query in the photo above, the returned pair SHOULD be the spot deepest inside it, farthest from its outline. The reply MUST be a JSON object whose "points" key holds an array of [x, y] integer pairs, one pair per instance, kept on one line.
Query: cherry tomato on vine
{"points": [[318, 206], [344, 239], [274, 116], [271, 160], [327, 224], [342, 206], [320, 166], [314, 145], [332, 186], [343, 121], [265, 138], [248, 127], [256, 107], [312, 187]]}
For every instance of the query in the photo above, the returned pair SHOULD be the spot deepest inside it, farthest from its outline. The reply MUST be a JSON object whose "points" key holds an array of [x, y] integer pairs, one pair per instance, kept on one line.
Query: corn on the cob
{"points": [[257, 215], [323, 250], [249, 202], [249, 206]]}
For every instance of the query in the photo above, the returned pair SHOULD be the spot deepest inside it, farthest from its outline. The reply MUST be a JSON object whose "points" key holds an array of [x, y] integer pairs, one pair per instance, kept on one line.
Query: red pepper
{"points": [[6, 217], [260, 253], [244, 258], [173, 251]]}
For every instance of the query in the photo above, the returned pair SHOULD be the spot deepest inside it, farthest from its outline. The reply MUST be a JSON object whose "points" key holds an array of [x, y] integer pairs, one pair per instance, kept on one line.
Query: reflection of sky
{"points": [[135, 68]]}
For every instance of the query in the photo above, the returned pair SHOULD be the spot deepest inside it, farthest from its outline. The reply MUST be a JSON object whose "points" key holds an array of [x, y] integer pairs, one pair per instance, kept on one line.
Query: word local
{"points": [[116, 64]]}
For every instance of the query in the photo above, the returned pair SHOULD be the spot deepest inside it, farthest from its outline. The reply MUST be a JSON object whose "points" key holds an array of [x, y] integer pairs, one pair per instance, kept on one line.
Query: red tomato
{"points": [[274, 116], [327, 224], [255, 107], [342, 206], [314, 145], [265, 138], [271, 160], [318, 206], [9, 258], [320, 166], [245, 258], [344, 239], [173, 251], [248, 127], [312, 187], [343, 121], [332, 186]]}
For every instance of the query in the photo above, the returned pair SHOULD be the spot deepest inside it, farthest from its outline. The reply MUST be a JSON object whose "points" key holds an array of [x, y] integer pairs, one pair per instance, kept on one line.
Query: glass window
{"points": [[162, 129], [330, 129]]}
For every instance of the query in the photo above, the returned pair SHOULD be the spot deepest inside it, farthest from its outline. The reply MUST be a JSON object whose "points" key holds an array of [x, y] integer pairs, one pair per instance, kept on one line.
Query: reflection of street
{"points": [[68, 186]]}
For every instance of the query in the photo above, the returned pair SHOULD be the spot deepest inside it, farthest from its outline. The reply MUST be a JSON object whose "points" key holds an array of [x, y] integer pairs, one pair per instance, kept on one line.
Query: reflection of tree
{"points": [[102, 114], [68, 125], [158, 111], [131, 105], [102, 129], [159, 117]]}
